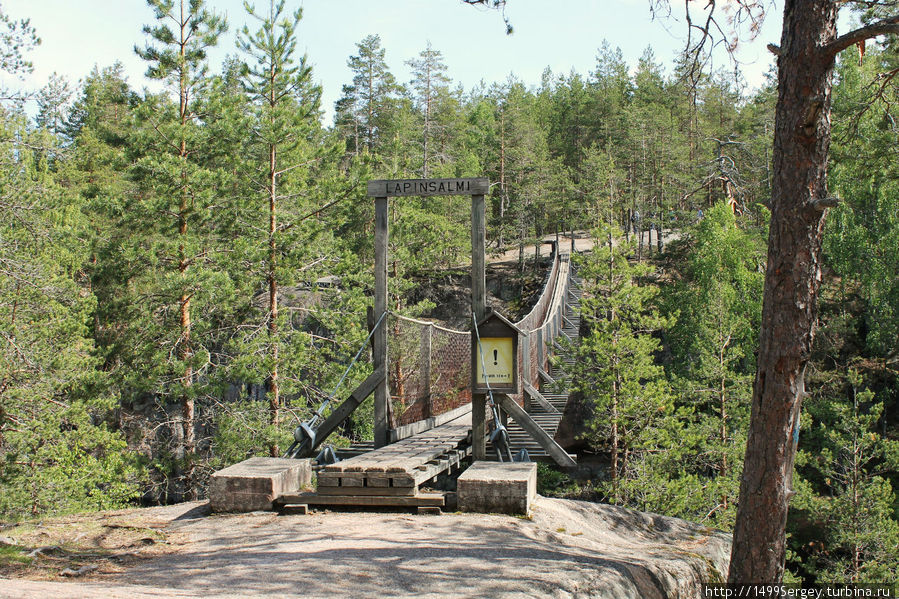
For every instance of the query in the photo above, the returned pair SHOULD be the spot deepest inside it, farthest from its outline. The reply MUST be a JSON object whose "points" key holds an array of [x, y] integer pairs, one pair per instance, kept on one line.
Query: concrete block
{"points": [[254, 484], [503, 487]]}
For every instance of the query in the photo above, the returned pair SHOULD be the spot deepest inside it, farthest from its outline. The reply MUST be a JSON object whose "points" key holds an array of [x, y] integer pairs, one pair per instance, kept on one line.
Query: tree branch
{"points": [[497, 4], [882, 27]]}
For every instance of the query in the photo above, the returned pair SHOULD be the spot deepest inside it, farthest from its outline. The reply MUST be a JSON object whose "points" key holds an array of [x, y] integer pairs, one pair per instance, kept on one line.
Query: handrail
{"points": [[541, 304]]}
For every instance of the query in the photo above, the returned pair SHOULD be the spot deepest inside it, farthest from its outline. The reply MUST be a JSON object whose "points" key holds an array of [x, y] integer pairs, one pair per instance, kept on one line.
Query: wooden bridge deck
{"points": [[391, 475]]}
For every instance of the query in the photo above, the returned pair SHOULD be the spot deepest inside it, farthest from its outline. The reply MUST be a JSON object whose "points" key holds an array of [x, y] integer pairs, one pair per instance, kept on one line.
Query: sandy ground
{"points": [[567, 549]]}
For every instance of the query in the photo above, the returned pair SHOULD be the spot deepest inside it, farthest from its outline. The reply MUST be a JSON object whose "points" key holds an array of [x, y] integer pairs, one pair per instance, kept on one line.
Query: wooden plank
{"points": [[402, 433], [559, 455], [549, 380], [384, 188], [435, 499], [393, 480], [429, 471], [366, 491]]}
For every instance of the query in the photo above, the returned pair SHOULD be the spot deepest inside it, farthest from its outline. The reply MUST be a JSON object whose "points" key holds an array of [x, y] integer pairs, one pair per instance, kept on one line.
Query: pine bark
{"points": [[792, 279], [273, 382], [185, 350]]}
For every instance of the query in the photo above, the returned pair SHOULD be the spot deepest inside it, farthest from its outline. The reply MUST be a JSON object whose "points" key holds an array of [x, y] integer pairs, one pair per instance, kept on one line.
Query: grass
{"points": [[109, 540], [554, 483]]}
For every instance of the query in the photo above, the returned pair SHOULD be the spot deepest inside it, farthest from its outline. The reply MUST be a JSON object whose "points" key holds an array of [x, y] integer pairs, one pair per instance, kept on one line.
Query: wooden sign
{"points": [[496, 364], [389, 188], [494, 355]]}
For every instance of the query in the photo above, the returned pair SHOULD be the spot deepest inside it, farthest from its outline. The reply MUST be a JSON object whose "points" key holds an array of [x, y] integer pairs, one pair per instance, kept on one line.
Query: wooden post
{"points": [[382, 391], [425, 370], [479, 307], [381, 189], [541, 350], [526, 376]]}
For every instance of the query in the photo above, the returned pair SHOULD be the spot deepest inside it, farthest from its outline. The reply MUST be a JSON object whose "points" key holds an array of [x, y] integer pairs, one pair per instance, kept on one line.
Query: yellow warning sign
{"points": [[497, 361]]}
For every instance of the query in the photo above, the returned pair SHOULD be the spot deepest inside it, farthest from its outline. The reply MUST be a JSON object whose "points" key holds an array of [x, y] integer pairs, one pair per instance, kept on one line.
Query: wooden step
{"points": [[419, 499]]}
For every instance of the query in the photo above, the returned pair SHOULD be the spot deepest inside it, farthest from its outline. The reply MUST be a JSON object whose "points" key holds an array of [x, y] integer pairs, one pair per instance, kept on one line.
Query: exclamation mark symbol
{"points": [[495, 357]]}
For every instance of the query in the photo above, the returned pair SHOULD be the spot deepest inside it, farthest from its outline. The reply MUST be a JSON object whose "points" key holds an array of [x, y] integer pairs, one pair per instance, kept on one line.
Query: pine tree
{"points": [[430, 82], [287, 104], [848, 462], [179, 187], [615, 365], [363, 109], [51, 104]]}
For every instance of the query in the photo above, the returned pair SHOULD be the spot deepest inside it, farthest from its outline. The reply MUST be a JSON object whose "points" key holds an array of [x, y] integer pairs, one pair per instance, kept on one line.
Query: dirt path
{"points": [[583, 242], [568, 549]]}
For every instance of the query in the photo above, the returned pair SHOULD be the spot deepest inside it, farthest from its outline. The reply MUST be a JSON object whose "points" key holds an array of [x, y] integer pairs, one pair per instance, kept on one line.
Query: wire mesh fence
{"points": [[430, 368]]}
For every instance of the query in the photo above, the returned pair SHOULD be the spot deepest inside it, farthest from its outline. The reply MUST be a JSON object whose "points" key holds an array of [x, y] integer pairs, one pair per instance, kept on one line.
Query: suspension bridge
{"points": [[432, 412]]}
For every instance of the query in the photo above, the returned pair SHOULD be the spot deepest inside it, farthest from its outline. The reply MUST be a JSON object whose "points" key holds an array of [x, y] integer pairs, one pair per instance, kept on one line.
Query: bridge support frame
{"points": [[382, 189], [479, 307], [379, 339]]}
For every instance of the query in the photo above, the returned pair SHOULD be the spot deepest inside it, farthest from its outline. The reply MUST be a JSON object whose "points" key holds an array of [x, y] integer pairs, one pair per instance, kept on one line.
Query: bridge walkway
{"points": [[392, 475], [556, 392]]}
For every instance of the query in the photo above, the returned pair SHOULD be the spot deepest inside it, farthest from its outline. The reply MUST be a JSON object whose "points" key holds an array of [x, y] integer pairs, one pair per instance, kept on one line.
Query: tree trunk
{"points": [[502, 176], [273, 383], [185, 352], [792, 279]]}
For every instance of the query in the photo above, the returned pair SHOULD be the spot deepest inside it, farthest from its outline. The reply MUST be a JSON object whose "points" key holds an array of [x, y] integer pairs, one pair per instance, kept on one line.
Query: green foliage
{"points": [[56, 451], [16, 39], [364, 110], [862, 238], [847, 496], [180, 54], [615, 366]]}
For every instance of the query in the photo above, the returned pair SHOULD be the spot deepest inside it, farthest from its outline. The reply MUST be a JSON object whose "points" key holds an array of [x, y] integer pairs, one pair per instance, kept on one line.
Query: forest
{"points": [[185, 274]]}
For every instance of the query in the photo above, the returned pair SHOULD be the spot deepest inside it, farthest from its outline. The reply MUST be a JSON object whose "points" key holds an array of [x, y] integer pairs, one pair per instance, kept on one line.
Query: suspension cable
{"points": [[321, 408]]}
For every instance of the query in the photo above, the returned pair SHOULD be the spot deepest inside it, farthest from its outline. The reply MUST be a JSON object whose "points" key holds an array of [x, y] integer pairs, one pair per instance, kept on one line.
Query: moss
{"points": [[13, 556]]}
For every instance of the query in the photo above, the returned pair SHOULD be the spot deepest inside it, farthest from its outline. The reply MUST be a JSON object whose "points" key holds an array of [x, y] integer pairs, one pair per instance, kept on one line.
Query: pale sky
{"points": [[560, 34]]}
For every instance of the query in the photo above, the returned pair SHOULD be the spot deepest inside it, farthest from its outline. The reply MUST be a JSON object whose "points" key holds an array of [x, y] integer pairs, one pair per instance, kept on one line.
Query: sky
{"points": [[563, 35]]}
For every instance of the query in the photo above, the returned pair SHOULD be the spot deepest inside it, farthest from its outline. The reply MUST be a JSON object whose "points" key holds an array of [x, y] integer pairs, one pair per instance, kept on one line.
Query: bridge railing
{"points": [[540, 335], [429, 366]]}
